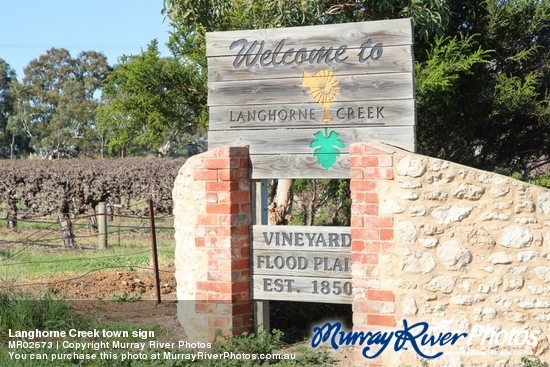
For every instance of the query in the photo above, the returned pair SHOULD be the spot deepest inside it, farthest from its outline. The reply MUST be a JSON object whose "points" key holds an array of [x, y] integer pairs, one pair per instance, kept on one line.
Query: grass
{"points": [[128, 249], [22, 312]]}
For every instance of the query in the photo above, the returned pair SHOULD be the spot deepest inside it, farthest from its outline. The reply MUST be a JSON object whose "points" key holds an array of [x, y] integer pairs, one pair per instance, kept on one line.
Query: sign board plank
{"points": [[302, 263], [296, 166], [391, 33], [299, 141], [396, 60], [303, 238], [269, 91], [291, 115], [302, 289]]}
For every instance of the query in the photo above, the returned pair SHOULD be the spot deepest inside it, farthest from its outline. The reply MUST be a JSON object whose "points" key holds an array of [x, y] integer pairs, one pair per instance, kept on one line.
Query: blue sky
{"points": [[28, 28]]}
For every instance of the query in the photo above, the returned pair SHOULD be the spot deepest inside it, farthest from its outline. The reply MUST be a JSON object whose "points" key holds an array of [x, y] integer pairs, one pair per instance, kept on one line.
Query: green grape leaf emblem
{"points": [[327, 147]]}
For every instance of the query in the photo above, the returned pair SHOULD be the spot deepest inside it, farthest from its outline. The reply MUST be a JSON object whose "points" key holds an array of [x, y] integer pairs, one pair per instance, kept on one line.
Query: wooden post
{"points": [[259, 216], [154, 247], [102, 224]]}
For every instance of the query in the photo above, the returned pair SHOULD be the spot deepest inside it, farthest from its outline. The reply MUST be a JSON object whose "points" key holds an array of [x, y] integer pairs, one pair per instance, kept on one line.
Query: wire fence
{"points": [[46, 234]]}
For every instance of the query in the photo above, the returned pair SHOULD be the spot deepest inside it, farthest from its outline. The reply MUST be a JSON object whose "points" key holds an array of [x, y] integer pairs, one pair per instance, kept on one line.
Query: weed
{"points": [[125, 297]]}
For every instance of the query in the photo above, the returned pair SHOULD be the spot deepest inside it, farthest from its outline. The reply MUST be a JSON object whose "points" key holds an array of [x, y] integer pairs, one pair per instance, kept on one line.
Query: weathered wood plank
{"points": [[303, 238], [298, 141], [399, 112], [396, 59], [302, 289], [389, 32], [297, 166], [295, 262], [352, 88]]}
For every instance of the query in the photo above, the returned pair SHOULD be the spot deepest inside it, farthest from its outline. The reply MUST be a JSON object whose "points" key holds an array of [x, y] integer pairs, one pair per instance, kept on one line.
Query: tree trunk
{"points": [[66, 228], [281, 202]]}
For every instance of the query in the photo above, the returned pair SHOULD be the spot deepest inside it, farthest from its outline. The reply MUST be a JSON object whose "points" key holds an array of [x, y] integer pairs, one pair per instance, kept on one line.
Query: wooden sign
{"points": [[301, 263], [300, 96]]}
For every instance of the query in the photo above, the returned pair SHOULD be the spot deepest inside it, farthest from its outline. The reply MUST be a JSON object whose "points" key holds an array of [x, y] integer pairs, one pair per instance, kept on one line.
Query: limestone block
{"points": [[409, 184], [412, 167], [428, 242], [475, 236], [451, 213], [502, 301], [493, 216], [435, 195], [388, 206], [528, 303], [525, 256], [435, 309], [543, 273], [540, 289], [544, 202], [524, 206], [484, 313], [409, 196], [515, 236], [497, 192], [513, 283], [440, 179], [468, 192], [405, 233], [515, 316], [500, 258], [417, 210], [436, 165], [453, 255], [526, 220], [466, 299], [517, 269], [430, 230], [409, 306], [542, 316], [418, 262], [500, 204], [442, 283]]}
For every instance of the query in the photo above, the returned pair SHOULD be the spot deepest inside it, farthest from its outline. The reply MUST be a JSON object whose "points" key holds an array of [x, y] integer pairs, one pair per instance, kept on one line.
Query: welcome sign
{"points": [[298, 97]]}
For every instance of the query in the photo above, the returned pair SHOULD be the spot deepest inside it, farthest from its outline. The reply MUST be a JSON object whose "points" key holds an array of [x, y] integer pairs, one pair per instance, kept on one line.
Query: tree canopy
{"points": [[56, 102], [481, 69], [153, 103]]}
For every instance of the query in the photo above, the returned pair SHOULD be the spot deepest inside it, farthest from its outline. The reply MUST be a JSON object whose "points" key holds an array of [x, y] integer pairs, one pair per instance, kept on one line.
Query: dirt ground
{"points": [[100, 289]]}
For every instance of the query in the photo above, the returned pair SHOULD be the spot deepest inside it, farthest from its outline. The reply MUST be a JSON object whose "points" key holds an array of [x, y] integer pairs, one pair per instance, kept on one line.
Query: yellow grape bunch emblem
{"points": [[324, 88]]}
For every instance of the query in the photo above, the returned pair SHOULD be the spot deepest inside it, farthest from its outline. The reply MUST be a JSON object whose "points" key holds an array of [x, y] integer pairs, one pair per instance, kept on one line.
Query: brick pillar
{"points": [[221, 277], [372, 237]]}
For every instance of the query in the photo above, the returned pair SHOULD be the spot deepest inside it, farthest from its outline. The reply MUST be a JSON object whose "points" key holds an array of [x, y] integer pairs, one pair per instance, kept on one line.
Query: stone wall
{"points": [[212, 221], [450, 245]]}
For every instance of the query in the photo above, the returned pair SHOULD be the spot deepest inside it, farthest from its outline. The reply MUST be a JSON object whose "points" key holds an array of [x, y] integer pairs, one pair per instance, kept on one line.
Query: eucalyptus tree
{"points": [[57, 100]]}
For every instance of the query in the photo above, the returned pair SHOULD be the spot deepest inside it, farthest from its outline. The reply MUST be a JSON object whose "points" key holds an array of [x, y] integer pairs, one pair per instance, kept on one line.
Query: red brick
{"points": [[241, 264], [217, 163], [238, 152], [367, 307], [379, 295], [381, 320], [364, 233], [386, 234], [218, 208], [369, 161], [356, 148], [378, 222], [207, 220], [356, 221], [199, 242], [387, 248], [357, 245], [364, 258], [372, 246], [240, 287], [385, 161], [205, 175], [369, 149], [363, 185], [219, 321], [240, 197], [219, 253], [356, 173]]}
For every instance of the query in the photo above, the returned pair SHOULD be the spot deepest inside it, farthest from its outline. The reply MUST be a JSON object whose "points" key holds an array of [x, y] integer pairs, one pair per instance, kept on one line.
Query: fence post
{"points": [[102, 223], [154, 247]]}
